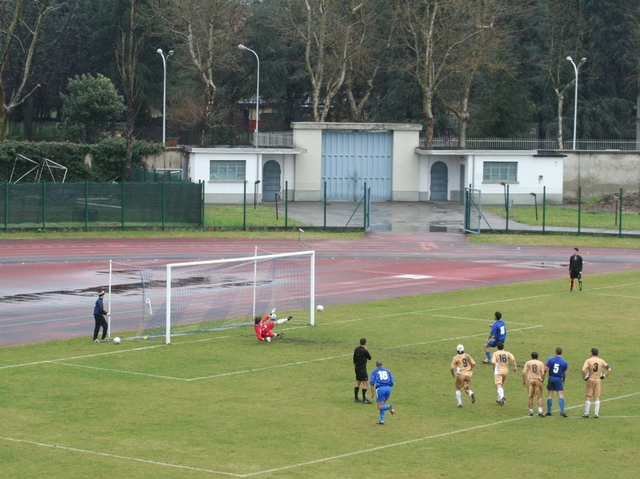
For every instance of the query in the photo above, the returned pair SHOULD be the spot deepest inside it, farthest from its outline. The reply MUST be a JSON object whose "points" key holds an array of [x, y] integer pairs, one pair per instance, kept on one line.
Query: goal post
{"points": [[219, 294]]}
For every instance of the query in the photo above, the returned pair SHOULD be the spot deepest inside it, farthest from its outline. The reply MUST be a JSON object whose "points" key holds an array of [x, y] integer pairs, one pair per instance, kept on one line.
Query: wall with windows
{"points": [[495, 173], [225, 171]]}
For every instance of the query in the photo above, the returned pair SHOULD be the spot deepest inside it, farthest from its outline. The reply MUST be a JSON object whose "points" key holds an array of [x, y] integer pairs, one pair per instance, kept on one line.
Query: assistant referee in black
{"points": [[360, 357]]}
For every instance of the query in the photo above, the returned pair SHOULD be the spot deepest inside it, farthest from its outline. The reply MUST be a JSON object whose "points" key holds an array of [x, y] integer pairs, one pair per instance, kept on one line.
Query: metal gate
{"points": [[351, 159], [472, 210]]}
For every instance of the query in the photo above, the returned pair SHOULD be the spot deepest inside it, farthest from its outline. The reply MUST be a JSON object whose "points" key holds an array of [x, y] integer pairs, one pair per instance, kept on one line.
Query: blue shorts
{"points": [[555, 384], [383, 393], [492, 342]]}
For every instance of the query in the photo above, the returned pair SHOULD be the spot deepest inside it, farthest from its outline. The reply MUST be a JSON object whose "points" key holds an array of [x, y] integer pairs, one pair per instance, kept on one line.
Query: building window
{"points": [[500, 171], [227, 170]]}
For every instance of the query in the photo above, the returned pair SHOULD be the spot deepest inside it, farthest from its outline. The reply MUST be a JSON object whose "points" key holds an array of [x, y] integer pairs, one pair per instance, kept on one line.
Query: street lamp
{"points": [[575, 102], [164, 101], [255, 139]]}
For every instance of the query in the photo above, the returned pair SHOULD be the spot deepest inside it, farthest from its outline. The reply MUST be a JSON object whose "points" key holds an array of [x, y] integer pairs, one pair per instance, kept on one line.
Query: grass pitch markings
{"points": [[473, 319], [116, 456], [267, 368], [416, 440], [308, 463]]}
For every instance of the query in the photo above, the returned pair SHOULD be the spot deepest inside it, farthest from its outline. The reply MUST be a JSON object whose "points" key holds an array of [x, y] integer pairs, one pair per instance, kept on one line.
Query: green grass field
{"points": [[225, 405], [567, 216]]}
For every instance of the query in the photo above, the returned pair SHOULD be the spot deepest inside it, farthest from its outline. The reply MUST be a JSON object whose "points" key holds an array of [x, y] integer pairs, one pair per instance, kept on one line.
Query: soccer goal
{"points": [[186, 298]]}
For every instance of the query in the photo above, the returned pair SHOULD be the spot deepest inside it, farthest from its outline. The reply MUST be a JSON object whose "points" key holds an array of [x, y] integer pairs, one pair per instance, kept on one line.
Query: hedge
{"points": [[107, 162]]}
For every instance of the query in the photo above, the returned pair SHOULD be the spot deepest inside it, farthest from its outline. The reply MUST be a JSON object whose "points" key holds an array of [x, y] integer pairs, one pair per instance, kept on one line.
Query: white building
{"points": [[336, 160]]}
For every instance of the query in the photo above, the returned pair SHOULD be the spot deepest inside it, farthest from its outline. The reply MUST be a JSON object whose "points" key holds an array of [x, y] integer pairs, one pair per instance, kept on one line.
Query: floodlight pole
{"points": [[576, 69], [255, 139], [164, 97]]}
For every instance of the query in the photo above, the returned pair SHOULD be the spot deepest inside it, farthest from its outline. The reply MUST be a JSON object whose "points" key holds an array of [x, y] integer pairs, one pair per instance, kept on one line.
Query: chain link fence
{"points": [[101, 205]]}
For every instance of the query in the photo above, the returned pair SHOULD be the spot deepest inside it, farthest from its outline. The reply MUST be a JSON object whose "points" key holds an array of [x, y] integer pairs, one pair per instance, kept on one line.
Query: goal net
{"points": [[186, 298]]}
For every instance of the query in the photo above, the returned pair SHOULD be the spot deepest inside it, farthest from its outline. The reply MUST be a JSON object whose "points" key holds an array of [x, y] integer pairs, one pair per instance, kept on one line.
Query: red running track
{"points": [[47, 287]]}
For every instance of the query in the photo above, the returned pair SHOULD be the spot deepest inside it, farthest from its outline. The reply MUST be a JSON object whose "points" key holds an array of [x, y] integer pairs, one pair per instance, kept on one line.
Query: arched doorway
{"points": [[439, 181], [270, 180]]}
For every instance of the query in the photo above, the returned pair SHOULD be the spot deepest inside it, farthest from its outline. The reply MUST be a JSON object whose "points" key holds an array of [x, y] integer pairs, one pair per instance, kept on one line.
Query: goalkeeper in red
{"points": [[264, 326]]}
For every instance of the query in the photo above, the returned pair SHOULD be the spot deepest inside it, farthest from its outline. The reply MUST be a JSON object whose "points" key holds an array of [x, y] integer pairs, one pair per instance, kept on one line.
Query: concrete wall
{"points": [[170, 158], [308, 172], [600, 173], [404, 183]]}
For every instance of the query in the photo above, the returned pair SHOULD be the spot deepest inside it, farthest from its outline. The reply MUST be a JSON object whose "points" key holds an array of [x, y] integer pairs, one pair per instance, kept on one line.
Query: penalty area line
{"points": [[291, 466], [410, 441], [117, 456]]}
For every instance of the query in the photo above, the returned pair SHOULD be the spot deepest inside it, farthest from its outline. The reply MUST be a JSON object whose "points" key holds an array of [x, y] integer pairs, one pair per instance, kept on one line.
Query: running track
{"points": [[47, 287]]}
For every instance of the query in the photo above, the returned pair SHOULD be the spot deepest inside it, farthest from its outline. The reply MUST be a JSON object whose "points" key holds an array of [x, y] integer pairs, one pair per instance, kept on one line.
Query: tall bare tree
{"points": [[429, 30], [558, 35], [370, 45], [12, 17], [483, 34], [130, 45], [206, 32], [326, 28]]}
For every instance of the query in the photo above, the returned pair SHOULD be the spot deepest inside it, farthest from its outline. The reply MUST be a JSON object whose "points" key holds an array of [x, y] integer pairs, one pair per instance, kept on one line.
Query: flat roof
{"points": [[329, 125], [274, 150]]}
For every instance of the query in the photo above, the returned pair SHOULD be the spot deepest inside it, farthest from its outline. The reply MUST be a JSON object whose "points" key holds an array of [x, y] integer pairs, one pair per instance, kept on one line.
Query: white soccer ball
{"points": [[320, 307], [116, 340]]}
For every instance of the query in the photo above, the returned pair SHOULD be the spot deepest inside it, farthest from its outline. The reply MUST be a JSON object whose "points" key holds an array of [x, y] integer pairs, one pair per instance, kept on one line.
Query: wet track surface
{"points": [[47, 287]]}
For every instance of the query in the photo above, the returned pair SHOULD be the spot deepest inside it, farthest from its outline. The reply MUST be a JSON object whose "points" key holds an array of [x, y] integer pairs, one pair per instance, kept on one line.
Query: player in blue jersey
{"points": [[381, 382], [557, 368], [498, 334]]}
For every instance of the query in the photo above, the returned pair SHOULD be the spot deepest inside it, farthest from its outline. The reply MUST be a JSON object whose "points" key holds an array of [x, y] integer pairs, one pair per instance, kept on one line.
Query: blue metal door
{"points": [[271, 180], [351, 159], [439, 181]]}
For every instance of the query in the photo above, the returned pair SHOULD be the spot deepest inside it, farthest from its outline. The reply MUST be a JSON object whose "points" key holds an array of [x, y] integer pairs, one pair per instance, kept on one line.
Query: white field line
{"points": [[116, 456], [266, 368], [470, 319], [412, 441], [618, 296], [308, 463], [384, 316]]}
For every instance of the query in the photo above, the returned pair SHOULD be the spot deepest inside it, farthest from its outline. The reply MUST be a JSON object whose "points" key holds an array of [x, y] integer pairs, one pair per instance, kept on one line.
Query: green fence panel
{"points": [[86, 205], [25, 205]]}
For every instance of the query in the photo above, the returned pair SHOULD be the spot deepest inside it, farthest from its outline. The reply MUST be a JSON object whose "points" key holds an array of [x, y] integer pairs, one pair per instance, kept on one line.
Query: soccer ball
{"points": [[116, 340], [320, 307]]}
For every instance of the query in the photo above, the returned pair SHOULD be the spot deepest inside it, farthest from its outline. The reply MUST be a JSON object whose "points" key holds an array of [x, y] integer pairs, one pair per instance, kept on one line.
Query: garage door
{"points": [[351, 159]]}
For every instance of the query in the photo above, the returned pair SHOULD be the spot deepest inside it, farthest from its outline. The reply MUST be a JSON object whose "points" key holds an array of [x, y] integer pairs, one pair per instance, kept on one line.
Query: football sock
{"points": [[561, 401], [470, 393], [355, 391], [597, 408], [549, 404], [500, 393], [459, 397], [587, 406], [488, 353], [539, 410], [281, 321], [364, 394], [531, 411]]}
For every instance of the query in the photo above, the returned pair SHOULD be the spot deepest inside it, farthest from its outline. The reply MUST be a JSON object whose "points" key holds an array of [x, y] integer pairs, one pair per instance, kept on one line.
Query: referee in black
{"points": [[575, 269], [360, 357]]}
